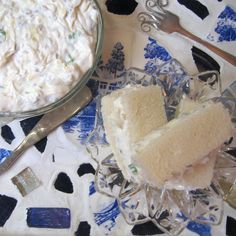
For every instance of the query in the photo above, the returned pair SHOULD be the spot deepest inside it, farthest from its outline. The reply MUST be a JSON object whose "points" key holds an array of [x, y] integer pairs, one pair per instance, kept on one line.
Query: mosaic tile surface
{"points": [[63, 199]]}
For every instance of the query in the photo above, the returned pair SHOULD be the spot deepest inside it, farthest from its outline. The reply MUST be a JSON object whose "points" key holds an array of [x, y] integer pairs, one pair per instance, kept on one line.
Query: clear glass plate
{"points": [[170, 210]]}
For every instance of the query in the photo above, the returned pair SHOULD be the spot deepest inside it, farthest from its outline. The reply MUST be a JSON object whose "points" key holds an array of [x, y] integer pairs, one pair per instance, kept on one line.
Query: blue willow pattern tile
{"points": [[116, 62], [225, 29], [108, 215], [92, 189], [4, 153], [159, 62], [55, 218], [154, 50], [114, 67], [83, 122], [155, 54]]}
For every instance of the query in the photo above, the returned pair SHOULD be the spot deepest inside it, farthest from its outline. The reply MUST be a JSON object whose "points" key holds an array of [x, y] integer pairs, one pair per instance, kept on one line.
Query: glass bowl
{"points": [[5, 117], [169, 209]]}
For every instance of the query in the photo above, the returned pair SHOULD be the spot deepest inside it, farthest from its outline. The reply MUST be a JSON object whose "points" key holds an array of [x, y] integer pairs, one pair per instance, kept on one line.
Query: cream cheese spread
{"points": [[45, 48]]}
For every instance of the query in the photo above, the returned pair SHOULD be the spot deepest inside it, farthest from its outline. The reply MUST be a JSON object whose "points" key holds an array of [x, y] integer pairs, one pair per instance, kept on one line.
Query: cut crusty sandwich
{"points": [[129, 114], [183, 142]]}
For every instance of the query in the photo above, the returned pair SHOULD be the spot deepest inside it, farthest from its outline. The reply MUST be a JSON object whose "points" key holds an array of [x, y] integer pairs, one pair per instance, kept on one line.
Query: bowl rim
{"points": [[77, 87]]}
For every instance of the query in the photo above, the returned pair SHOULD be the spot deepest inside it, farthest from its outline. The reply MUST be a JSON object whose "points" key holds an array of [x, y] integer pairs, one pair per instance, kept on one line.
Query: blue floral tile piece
{"points": [[108, 215], [156, 55], [153, 51], [225, 29], [92, 189], [83, 122], [55, 218], [200, 229], [4, 154]]}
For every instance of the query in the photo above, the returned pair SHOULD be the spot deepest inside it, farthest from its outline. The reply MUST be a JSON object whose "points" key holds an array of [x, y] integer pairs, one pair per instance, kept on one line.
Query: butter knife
{"points": [[48, 123]]}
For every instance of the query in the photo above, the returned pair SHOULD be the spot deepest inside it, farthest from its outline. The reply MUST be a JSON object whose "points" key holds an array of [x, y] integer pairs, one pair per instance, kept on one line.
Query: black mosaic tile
{"points": [[204, 61], [27, 125], [85, 168], [232, 152], [83, 229], [7, 206], [41, 145], [147, 228], [63, 183], [7, 134], [121, 7], [196, 7], [230, 226]]}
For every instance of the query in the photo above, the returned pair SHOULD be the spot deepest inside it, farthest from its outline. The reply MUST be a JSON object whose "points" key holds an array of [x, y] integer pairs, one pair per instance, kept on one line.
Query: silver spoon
{"points": [[48, 123]]}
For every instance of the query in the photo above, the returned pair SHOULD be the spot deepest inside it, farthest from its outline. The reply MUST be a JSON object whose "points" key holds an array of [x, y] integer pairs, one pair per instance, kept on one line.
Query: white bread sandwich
{"points": [[199, 175], [133, 113], [168, 152], [129, 114]]}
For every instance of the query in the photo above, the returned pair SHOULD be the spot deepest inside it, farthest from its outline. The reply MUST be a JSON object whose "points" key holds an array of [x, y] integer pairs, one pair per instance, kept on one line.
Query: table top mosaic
{"points": [[50, 190]]}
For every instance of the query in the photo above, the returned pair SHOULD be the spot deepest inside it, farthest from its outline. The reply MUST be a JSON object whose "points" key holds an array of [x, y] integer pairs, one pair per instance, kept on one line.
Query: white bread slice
{"points": [[199, 175], [129, 114], [182, 142]]}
